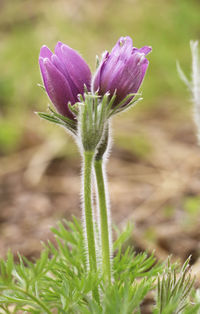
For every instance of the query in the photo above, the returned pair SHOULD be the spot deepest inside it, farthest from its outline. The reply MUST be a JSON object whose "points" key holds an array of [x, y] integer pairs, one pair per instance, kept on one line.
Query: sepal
{"points": [[63, 118], [59, 119], [129, 101], [92, 119], [73, 108], [94, 113]]}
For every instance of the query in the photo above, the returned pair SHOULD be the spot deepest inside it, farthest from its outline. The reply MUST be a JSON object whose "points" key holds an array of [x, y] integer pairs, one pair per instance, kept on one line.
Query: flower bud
{"points": [[122, 70], [64, 75]]}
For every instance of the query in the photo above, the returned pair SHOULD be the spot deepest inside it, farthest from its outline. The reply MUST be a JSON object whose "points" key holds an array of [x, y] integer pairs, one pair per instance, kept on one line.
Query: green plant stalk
{"points": [[103, 214], [88, 215]]}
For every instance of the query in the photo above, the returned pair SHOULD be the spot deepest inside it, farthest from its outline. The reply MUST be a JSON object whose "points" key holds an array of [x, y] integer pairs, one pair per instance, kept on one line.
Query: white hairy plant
{"points": [[194, 83]]}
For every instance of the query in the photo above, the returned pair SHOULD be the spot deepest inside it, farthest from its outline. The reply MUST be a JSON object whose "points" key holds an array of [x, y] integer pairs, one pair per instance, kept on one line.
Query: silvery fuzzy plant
{"points": [[194, 84], [87, 272], [86, 106]]}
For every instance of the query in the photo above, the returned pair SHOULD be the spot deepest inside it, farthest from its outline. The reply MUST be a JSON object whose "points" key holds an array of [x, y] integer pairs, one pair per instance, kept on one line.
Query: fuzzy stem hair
{"points": [[105, 232], [88, 215]]}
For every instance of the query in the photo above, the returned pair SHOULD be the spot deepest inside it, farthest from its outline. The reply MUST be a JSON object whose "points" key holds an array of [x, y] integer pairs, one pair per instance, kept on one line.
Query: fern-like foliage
{"points": [[58, 281]]}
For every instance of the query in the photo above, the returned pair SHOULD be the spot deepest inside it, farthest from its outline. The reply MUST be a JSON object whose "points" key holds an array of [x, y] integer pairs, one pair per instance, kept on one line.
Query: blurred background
{"points": [[154, 168]]}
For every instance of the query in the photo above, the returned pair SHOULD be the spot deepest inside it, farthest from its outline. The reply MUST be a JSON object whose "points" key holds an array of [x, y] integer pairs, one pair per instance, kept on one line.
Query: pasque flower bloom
{"points": [[122, 69], [64, 75]]}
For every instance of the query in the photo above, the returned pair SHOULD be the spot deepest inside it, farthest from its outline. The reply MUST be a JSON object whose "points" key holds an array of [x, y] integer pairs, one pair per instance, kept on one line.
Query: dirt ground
{"points": [[39, 186]]}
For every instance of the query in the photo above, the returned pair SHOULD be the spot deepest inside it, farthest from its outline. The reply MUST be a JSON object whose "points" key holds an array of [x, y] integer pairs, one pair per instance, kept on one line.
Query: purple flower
{"points": [[122, 70], [64, 75]]}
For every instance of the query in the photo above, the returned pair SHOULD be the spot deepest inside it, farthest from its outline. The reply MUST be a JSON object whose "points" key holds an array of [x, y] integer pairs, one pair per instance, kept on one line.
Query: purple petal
{"points": [[62, 68], [139, 77], [145, 49], [133, 73], [59, 65], [45, 52], [75, 66], [111, 75], [122, 47], [57, 87], [123, 69]]}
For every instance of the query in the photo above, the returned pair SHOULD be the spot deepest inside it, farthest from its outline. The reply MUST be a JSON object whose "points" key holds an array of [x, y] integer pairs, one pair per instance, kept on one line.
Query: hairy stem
{"points": [[103, 213], [88, 214]]}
